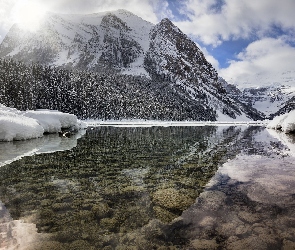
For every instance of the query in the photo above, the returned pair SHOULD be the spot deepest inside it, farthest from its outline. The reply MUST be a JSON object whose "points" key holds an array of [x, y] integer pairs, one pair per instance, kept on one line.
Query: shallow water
{"points": [[153, 188]]}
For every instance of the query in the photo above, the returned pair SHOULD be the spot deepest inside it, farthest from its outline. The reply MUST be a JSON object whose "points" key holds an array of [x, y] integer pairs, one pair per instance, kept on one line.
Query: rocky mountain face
{"points": [[172, 53], [174, 57], [119, 42]]}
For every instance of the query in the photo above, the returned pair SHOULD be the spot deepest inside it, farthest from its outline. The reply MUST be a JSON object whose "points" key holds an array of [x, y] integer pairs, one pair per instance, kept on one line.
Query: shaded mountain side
{"points": [[172, 54], [237, 96]]}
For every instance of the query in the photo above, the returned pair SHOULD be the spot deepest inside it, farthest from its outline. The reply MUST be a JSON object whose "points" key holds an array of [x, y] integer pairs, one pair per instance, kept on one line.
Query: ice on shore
{"points": [[18, 125], [285, 122]]}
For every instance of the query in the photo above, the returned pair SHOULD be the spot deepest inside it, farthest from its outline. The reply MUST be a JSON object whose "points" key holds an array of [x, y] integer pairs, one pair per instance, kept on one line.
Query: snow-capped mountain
{"points": [[271, 101], [285, 108], [121, 42], [276, 99]]}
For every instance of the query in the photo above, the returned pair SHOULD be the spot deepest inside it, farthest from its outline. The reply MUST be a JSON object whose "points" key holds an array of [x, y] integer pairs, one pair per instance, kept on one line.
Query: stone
{"points": [[200, 244]]}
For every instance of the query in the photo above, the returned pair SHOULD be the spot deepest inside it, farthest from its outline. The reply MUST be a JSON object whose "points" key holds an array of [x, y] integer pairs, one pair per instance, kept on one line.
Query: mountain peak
{"points": [[169, 40], [166, 20], [121, 42], [112, 21], [167, 26]]}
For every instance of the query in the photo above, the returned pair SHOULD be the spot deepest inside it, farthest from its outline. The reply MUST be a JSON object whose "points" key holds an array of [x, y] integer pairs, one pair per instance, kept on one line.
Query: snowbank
{"points": [[17, 125], [285, 122], [53, 121]]}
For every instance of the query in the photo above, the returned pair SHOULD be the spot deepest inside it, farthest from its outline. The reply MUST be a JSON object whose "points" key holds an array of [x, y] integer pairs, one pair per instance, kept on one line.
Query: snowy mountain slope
{"points": [[272, 100], [172, 53], [285, 107], [269, 100], [121, 42], [82, 41]]}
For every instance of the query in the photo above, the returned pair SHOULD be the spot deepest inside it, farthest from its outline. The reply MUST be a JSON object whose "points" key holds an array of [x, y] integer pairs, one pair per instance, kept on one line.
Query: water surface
{"points": [[153, 188]]}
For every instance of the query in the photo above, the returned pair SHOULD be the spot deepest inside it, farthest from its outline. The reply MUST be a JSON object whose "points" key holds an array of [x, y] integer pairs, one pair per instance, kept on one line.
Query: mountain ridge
{"points": [[119, 42]]}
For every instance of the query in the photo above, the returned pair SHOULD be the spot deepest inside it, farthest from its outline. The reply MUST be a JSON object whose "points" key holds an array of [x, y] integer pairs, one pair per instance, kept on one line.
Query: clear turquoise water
{"points": [[153, 188]]}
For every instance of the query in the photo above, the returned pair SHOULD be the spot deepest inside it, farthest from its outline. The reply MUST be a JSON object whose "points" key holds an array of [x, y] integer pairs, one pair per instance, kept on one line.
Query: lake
{"points": [[203, 187]]}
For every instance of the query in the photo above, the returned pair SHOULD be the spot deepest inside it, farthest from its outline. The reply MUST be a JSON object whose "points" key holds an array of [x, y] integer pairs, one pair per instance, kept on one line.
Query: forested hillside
{"points": [[96, 96]]}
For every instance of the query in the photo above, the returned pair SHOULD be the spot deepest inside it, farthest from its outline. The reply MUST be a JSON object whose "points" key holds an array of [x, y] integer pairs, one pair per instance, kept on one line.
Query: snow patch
{"points": [[270, 99], [17, 125], [225, 118], [285, 122], [53, 121]]}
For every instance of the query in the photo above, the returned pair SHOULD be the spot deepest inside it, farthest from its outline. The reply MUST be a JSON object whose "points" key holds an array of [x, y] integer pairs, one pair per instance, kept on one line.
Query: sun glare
{"points": [[28, 14]]}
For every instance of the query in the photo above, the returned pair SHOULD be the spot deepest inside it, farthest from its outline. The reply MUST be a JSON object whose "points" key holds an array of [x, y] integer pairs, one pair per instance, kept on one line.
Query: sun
{"points": [[28, 14]]}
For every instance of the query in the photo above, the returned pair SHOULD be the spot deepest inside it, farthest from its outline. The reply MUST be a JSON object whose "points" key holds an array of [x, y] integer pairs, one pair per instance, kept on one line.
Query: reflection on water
{"points": [[145, 188], [249, 203], [15, 150]]}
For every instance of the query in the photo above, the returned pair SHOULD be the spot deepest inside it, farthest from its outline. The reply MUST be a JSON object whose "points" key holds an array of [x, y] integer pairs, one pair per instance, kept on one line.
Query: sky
{"points": [[251, 43]]}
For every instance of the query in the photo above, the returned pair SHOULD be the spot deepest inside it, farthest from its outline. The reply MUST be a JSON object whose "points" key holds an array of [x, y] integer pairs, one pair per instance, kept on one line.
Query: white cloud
{"points": [[162, 9], [236, 18], [263, 62]]}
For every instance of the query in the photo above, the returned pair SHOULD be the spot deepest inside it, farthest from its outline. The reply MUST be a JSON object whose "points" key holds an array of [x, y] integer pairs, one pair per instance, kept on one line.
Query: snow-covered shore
{"points": [[152, 123], [285, 122], [22, 125]]}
